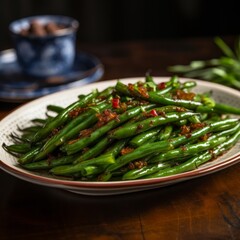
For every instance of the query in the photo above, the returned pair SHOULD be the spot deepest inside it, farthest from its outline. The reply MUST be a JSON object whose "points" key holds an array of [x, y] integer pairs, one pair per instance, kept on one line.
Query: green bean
{"points": [[225, 108], [190, 164], [188, 85], [63, 116], [73, 128], [140, 152], [153, 97], [117, 147], [198, 160], [39, 121], [105, 159], [172, 84], [167, 86], [103, 135], [226, 132], [18, 148], [188, 150], [149, 123], [194, 119], [49, 163], [85, 141], [54, 108], [31, 129], [147, 170], [216, 126], [18, 139], [144, 137], [162, 146], [105, 93], [165, 133], [178, 102], [27, 157], [149, 79], [94, 150], [91, 170], [227, 144]]}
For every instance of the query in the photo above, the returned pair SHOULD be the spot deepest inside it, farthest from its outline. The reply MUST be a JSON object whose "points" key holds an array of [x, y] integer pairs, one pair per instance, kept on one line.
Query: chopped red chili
{"points": [[115, 102], [154, 113], [161, 85]]}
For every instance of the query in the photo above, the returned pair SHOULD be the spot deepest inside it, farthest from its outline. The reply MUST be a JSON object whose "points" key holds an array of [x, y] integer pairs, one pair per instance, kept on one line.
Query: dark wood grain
{"points": [[203, 208]]}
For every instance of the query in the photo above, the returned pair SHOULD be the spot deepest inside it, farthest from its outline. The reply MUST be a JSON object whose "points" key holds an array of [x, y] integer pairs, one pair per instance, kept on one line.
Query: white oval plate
{"points": [[37, 108]]}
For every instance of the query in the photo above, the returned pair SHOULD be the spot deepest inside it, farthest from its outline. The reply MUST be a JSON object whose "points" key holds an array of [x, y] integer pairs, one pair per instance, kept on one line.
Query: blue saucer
{"points": [[15, 86]]}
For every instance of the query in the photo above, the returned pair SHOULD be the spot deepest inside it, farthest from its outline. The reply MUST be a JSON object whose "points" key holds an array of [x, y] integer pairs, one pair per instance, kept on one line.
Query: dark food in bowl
{"points": [[37, 28]]}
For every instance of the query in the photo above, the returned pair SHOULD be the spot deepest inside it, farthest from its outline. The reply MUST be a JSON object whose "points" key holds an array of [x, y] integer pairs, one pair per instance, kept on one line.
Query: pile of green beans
{"points": [[127, 132]]}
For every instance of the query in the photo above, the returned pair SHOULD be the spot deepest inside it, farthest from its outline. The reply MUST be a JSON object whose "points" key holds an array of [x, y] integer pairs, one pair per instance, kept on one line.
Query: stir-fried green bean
{"points": [[128, 131]]}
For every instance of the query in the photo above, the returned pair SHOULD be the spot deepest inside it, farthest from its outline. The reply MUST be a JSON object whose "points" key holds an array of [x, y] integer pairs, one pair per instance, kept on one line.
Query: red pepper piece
{"points": [[162, 85], [115, 102], [154, 113]]}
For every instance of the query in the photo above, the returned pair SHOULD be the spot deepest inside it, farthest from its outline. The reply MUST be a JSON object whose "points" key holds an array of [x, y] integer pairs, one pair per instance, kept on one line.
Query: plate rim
{"points": [[117, 185]]}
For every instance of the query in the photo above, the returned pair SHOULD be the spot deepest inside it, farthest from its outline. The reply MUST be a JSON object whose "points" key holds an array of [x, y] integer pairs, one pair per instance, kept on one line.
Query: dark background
{"points": [[114, 20]]}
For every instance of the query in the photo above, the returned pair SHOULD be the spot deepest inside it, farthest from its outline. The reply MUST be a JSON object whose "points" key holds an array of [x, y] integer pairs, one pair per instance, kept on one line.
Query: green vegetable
{"points": [[154, 130], [224, 70]]}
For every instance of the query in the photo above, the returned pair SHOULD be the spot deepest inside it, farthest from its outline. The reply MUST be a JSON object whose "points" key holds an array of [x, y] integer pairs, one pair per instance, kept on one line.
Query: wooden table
{"points": [[204, 208]]}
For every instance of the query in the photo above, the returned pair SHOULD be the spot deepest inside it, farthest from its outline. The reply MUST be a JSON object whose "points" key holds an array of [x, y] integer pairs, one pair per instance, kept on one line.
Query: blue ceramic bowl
{"points": [[47, 55]]}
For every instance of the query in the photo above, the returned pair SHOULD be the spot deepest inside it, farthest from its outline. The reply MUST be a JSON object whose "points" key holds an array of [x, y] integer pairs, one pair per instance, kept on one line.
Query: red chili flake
{"points": [[154, 113], [115, 102], [161, 85]]}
